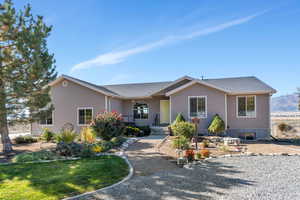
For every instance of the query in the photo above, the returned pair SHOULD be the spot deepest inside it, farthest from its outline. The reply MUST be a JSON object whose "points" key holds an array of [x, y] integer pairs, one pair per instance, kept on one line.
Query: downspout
{"points": [[226, 123]]}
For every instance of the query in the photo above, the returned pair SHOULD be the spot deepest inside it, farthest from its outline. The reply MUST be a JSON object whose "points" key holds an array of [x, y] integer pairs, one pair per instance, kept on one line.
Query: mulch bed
{"points": [[22, 148]]}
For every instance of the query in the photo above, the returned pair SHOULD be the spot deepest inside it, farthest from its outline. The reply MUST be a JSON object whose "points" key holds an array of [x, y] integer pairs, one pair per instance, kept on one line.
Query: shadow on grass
{"points": [[60, 179]]}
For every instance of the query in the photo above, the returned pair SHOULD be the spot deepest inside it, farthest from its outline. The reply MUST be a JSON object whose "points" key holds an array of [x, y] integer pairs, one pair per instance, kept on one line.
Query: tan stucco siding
{"points": [[66, 100], [116, 105], [215, 103], [262, 119]]}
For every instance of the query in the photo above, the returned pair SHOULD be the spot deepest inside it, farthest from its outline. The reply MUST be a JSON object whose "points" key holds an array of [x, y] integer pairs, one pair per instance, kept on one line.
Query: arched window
{"points": [[140, 111]]}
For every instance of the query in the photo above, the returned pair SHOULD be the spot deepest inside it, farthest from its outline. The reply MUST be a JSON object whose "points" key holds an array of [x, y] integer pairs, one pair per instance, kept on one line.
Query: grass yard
{"points": [[57, 180]]}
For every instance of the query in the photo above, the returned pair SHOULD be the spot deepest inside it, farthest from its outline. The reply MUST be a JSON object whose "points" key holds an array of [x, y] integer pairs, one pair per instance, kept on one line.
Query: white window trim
{"points": [[237, 107], [48, 125], [81, 108], [140, 118], [197, 106]]}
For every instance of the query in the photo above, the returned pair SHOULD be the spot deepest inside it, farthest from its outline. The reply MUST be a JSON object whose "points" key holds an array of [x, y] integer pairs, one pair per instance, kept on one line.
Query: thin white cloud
{"points": [[120, 56]]}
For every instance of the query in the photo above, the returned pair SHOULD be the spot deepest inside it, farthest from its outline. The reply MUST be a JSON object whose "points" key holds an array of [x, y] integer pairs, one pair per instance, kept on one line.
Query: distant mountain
{"points": [[285, 103]]}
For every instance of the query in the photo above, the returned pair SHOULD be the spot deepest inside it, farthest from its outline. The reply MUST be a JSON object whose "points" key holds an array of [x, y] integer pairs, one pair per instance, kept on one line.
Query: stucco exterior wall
{"points": [[66, 100], [116, 105], [262, 119], [215, 103], [259, 125], [154, 109]]}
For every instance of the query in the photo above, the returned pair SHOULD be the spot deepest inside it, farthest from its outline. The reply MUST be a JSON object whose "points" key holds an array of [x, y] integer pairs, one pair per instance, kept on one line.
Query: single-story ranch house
{"points": [[243, 103]]}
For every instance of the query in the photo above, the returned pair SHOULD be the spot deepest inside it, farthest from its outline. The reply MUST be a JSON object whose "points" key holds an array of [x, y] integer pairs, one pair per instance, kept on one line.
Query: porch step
{"points": [[159, 130]]}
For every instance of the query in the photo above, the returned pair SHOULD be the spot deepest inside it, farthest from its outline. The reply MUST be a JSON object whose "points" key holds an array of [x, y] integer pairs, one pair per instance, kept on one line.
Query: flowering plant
{"points": [[189, 154]]}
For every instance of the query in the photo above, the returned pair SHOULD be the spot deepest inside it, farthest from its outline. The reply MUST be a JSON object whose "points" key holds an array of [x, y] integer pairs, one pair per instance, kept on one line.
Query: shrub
{"points": [[66, 136], [97, 148], [117, 141], [284, 127], [132, 131], [69, 149], [47, 135], [179, 118], [25, 139], [36, 156], [217, 125], [180, 143], [185, 129], [87, 135], [107, 125], [87, 151], [146, 130], [198, 156], [106, 145], [224, 148], [189, 154], [204, 153]]}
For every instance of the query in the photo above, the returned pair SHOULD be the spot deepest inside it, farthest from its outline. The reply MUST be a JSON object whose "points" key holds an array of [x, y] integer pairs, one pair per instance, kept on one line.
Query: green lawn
{"points": [[56, 180]]}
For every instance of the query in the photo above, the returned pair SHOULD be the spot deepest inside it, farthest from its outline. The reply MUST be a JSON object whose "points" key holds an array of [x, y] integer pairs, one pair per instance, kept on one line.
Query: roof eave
{"points": [[62, 77]]}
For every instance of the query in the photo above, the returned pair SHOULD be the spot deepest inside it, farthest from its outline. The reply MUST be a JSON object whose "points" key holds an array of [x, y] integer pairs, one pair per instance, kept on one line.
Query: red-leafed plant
{"points": [[107, 125], [189, 154]]}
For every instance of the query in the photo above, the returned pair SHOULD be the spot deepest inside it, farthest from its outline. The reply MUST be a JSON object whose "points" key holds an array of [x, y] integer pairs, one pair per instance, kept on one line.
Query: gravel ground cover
{"points": [[257, 177]]}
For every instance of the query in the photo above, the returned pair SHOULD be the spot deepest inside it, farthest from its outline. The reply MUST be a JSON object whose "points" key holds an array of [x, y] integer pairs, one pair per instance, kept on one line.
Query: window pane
{"points": [[46, 118], [193, 107], [81, 116], [250, 106], [241, 106], [88, 116], [140, 111], [201, 107]]}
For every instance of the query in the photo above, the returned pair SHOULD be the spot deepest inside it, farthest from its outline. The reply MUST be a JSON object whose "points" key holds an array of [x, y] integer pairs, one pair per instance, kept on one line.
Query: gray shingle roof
{"points": [[239, 85], [236, 85], [137, 89]]}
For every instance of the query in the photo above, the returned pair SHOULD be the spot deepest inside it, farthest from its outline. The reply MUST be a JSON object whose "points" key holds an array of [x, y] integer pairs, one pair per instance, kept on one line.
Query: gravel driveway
{"points": [[263, 177]]}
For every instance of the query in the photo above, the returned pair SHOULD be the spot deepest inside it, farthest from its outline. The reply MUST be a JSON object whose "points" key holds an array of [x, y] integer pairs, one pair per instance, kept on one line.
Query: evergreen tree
{"points": [[217, 125], [26, 68], [179, 118]]}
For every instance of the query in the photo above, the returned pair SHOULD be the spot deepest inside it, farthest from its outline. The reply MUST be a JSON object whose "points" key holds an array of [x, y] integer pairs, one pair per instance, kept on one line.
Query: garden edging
{"points": [[129, 176], [248, 154]]}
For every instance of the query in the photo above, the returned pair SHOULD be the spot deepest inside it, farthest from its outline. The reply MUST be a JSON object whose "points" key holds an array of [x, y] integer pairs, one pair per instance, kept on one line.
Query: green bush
{"points": [[146, 130], [106, 145], [132, 131], [107, 125], [69, 149], [185, 129], [87, 151], [117, 141], [36, 156], [47, 135], [25, 139], [217, 125], [66, 136], [179, 118], [180, 142]]}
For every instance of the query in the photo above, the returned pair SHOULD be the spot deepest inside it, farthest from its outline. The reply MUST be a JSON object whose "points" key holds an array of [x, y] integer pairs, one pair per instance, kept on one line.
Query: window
{"points": [[140, 111], [46, 118], [198, 107], [246, 106], [85, 116]]}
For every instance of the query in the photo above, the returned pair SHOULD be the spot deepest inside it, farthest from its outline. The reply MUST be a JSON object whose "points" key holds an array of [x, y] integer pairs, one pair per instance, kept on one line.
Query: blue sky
{"points": [[119, 41]]}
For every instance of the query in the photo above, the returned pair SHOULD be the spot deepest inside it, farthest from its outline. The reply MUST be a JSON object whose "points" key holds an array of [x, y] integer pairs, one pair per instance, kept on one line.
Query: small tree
{"points": [[217, 125], [179, 118], [185, 129]]}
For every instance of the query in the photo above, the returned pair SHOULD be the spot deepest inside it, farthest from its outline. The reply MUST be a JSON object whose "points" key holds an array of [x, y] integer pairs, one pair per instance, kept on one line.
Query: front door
{"points": [[164, 111]]}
